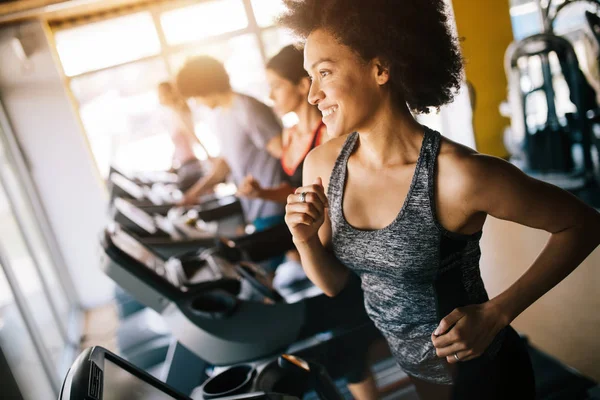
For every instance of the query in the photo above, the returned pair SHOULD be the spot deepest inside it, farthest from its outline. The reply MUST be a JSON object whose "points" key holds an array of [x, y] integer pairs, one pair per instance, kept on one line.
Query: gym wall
{"points": [[486, 29]]}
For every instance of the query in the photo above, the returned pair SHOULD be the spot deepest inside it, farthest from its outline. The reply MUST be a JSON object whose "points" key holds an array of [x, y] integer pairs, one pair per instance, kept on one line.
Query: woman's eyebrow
{"points": [[321, 60]]}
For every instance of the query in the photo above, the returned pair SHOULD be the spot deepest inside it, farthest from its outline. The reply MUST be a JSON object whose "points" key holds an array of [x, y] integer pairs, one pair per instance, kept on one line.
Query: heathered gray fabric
{"points": [[243, 131], [400, 264]]}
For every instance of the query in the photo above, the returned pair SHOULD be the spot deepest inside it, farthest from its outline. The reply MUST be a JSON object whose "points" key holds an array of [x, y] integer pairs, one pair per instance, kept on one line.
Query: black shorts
{"points": [[345, 355], [509, 375]]}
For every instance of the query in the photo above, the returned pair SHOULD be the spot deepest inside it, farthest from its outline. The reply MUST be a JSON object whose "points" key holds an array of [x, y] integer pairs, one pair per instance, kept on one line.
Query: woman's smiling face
{"points": [[347, 90]]}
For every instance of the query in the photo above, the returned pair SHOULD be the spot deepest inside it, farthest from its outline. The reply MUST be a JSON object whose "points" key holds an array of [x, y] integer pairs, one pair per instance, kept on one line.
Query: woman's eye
{"points": [[324, 73]]}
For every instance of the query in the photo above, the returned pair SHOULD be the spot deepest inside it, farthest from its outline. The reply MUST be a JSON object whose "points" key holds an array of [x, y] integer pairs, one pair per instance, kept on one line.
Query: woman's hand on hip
{"points": [[467, 332], [305, 211]]}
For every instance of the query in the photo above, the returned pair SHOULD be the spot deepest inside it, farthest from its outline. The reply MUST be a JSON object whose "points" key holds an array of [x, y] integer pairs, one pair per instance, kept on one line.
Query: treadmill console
{"points": [[127, 185], [150, 177], [98, 374], [137, 215], [169, 270]]}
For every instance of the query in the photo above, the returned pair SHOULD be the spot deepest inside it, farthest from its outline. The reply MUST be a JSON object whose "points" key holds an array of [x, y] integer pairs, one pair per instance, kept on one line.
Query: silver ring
{"points": [[456, 357], [303, 197]]}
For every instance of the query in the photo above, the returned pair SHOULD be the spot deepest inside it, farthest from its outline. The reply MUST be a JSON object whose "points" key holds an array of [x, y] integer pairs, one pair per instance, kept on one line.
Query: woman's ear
{"points": [[381, 70], [304, 86]]}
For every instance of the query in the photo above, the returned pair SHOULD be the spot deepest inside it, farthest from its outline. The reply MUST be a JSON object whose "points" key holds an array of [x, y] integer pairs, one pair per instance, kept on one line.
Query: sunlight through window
{"points": [[265, 11], [107, 43], [203, 20]]}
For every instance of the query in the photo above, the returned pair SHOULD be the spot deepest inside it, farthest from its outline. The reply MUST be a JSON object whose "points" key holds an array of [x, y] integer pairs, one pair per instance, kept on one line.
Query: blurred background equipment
{"points": [[554, 134]]}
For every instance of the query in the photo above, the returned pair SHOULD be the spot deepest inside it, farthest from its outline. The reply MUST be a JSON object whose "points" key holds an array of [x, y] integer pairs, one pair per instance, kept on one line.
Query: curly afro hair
{"points": [[413, 37]]}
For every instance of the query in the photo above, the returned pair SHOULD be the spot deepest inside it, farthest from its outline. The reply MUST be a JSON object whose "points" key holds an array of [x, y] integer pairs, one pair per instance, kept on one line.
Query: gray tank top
{"points": [[413, 271]]}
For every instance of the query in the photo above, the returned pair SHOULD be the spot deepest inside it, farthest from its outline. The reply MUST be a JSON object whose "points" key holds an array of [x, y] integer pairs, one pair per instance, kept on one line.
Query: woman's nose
{"points": [[315, 94]]}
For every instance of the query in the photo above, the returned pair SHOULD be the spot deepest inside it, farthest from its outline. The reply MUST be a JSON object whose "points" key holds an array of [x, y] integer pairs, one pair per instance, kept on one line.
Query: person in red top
{"points": [[289, 91], [289, 85]]}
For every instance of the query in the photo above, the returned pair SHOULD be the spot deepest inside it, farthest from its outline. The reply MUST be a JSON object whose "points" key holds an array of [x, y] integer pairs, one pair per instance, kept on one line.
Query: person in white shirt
{"points": [[178, 120]]}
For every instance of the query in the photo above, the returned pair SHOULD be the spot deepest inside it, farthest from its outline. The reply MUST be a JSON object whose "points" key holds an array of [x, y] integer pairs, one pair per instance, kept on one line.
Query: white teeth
{"points": [[329, 111]]}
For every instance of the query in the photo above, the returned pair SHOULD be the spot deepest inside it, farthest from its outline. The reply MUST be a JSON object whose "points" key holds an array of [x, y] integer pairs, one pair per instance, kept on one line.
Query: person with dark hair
{"points": [[177, 118], [248, 132], [289, 86], [403, 207]]}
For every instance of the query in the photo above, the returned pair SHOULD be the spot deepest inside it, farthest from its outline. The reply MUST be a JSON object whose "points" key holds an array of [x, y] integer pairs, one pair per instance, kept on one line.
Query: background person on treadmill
{"points": [[177, 118], [289, 86], [404, 207], [249, 136]]}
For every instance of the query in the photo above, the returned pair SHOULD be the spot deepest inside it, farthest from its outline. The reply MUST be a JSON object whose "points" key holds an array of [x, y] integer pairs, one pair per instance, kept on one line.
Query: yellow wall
{"points": [[486, 29]]}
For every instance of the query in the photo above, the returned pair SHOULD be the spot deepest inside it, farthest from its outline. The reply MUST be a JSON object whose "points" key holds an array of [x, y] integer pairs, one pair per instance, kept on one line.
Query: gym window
{"points": [[113, 62]]}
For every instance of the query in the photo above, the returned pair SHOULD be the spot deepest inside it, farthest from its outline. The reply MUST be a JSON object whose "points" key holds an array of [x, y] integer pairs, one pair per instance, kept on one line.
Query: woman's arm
{"points": [[497, 188], [310, 226], [220, 171], [251, 189], [275, 147], [278, 194], [511, 195], [320, 265]]}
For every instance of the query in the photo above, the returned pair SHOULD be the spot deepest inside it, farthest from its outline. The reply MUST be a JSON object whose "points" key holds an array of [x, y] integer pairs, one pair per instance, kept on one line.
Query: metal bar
{"points": [[183, 370], [254, 28], [543, 13], [36, 262], [37, 340], [163, 41]]}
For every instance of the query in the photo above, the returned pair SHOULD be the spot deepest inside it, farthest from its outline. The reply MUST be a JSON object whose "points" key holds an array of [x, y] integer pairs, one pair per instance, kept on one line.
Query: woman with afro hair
{"points": [[403, 207]]}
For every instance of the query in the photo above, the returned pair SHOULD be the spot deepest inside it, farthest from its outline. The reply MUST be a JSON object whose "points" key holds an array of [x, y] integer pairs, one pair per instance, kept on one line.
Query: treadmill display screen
{"points": [[134, 249], [137, 215], [128, 186], [120, 384]]}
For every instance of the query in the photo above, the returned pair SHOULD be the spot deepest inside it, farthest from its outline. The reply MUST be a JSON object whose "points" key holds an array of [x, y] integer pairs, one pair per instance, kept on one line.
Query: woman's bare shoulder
{"points": [[320, 161], [455, 164], [460, 162], [466, 178], [453, 152]]}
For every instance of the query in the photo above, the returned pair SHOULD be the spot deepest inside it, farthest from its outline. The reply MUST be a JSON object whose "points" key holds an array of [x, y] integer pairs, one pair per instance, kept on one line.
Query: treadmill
{"points": [[98, 374], [218, 304], [154, 194], [181, 229], [157, 197]]}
